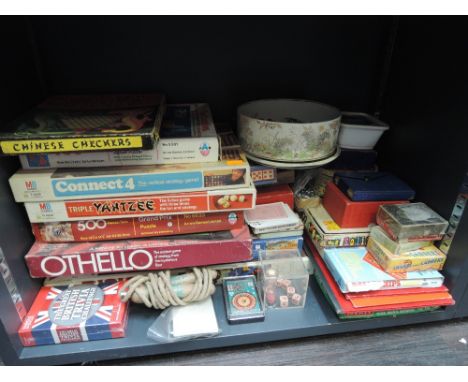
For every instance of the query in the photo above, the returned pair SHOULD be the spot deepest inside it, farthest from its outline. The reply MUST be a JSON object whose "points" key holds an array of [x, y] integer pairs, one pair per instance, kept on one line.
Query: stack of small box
{"points": [[388, 277], [77, 170]]}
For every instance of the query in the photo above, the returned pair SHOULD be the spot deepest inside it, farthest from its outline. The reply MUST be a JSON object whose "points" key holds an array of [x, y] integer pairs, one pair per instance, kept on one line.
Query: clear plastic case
{"points": [[396, 247], [284, 279], [412, 222]]}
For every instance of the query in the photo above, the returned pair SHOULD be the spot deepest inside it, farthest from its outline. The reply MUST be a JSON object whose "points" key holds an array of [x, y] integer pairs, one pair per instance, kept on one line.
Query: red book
{"points": [[347, 307], [349, 214], [87, 258], [276, 193], [138, 227]]}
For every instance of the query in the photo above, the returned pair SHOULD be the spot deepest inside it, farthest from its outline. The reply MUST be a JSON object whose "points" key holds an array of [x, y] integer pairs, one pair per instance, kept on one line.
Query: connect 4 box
{"points": [[75, 313], [84, 183]]}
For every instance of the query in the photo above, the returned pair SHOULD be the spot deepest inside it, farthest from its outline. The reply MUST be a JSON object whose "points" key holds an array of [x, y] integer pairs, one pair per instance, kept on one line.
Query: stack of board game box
{"points": [[367, 270], [121, 183]]}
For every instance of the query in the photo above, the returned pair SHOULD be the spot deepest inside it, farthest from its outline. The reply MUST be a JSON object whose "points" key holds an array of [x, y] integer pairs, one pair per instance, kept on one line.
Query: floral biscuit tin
{"points": [[288, 130]]}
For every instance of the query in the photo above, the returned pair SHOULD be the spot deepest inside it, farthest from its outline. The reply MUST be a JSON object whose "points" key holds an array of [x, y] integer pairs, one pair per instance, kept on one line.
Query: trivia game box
{"points": [[75, 313]]}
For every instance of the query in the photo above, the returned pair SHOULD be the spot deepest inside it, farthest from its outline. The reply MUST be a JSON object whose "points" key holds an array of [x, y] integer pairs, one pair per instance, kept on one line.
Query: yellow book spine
{"points": [[36, 146]]}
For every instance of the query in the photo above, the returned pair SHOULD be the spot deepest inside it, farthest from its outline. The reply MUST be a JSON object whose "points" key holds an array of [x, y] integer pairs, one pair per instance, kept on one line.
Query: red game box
{"points": [[349, 214], [70, 259], [276, 193], [131, 228], [149, 205], [75, 313]]}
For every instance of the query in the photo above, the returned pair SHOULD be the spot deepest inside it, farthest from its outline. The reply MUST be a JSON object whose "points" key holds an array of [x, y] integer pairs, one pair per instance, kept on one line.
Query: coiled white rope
{"points": [[160, 290]]}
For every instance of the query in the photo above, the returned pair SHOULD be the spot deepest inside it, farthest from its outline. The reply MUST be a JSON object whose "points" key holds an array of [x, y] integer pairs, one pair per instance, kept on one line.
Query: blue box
{"points": [[372, 186]]}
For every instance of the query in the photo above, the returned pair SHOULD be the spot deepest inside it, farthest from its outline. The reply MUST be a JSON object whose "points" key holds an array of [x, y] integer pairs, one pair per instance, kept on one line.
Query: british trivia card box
{"points": [[75, 313]]}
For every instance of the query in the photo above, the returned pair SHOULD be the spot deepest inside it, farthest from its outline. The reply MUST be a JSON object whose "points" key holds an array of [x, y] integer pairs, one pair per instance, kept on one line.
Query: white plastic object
{"points": [[360, 131], [182, 323]]}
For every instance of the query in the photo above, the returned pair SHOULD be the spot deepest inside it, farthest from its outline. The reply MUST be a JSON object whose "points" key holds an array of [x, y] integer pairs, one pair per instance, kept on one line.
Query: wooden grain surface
{"points": [[426, 344]]}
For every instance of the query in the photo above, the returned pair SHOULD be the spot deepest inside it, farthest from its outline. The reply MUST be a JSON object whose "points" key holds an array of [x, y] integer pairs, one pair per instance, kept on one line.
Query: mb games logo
{"points": [[45, 207], [31, 185], [204, 149]]}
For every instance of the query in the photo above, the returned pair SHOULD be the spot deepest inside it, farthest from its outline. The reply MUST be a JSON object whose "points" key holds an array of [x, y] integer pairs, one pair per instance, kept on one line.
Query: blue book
{"points": [[355, 270], [372, 186]]}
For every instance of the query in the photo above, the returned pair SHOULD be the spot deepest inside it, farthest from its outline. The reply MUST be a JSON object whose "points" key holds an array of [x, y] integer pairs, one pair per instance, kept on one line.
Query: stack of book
{"points": [[367, 270], [122, 183]]}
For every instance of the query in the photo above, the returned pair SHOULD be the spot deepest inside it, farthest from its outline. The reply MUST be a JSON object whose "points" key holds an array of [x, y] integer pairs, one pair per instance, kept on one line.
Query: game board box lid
{"points": [[86, 123]]}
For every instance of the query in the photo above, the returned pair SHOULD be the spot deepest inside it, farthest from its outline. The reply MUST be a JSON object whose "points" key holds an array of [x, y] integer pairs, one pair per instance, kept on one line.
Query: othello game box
{"points": [[156, 253], [75, 313]]}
